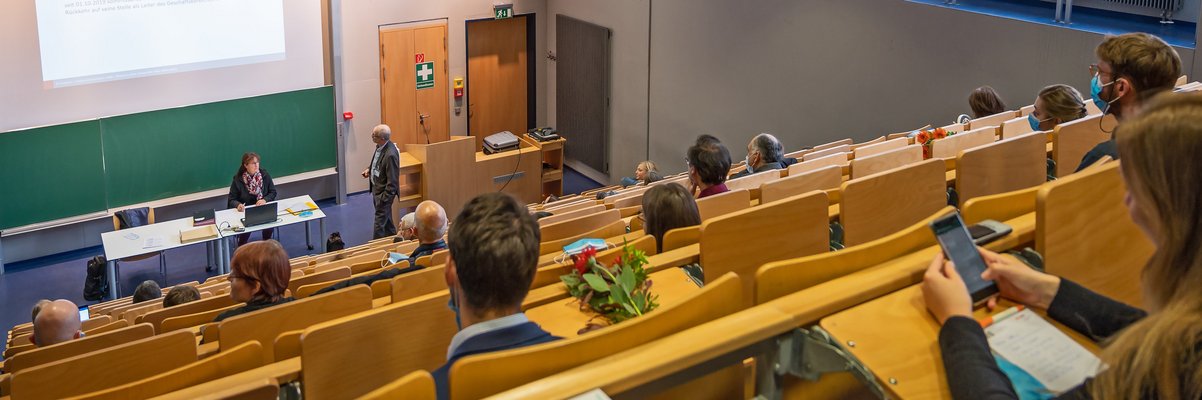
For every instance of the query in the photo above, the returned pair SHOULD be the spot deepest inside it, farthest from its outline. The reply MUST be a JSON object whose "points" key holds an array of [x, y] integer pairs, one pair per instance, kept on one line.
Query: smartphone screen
{"points": [[83, 313], [958, 246]]}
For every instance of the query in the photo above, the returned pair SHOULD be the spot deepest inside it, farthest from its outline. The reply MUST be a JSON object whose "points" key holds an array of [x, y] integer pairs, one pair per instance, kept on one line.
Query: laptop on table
{"points": [[259, 215]]}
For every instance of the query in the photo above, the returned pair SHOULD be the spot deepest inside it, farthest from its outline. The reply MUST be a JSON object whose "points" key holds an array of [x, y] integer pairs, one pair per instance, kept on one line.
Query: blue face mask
{"points": [[454, 306], [1095, 92], [578, 246], [1034, 122], [394, 258]]}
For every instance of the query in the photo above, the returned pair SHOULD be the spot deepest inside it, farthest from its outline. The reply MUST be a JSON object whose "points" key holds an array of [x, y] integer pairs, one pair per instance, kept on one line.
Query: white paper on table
{"points": [[1051, 357], [595, 394], [154, 241]]}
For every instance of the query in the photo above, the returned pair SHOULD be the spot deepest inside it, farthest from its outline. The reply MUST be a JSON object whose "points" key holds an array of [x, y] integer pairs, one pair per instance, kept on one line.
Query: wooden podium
{"points": [[452, 172]]}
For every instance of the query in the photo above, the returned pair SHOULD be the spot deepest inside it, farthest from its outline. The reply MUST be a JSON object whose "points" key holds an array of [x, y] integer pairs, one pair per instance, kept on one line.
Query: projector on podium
{"points": [[500, 142]]}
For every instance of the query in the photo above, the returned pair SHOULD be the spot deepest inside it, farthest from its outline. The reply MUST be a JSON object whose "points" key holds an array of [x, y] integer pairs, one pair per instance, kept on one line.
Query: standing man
{"points": [[383, 178]]}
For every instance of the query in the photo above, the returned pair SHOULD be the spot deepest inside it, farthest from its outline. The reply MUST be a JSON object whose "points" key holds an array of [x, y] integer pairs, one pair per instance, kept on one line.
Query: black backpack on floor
{"points": [[96, 284]]}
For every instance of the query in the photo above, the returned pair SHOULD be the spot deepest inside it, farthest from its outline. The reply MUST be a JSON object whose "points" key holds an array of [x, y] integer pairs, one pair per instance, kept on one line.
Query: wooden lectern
{"points": [[453, 172]]}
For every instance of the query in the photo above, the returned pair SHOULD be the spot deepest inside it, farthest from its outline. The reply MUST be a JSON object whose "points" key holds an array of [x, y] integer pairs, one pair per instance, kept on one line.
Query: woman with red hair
{"points": [[259, 274]]}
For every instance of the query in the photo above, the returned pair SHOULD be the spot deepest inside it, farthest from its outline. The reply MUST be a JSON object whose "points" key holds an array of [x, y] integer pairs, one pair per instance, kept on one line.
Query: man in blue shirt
{"points": [[494, 255]]}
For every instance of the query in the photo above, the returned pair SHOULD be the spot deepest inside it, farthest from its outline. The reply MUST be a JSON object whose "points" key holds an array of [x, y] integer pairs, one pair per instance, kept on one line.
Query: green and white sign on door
{"points": [[425, 75]]}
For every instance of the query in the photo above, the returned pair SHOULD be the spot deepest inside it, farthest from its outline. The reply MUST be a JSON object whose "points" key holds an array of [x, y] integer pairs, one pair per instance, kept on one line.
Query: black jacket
{"points": [[385, 186], [527, 334], [971, 370], [1107, 148], [250, 306], [766, 167], [239, 194]]}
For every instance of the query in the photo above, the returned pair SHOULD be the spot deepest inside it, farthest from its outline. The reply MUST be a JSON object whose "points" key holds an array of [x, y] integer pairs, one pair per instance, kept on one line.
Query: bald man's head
{"points": [[431, 222], [57, 322]]}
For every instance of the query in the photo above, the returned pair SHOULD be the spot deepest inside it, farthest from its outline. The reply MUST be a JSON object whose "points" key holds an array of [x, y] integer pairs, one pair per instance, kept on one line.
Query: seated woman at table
{"points": [[1055, 105], [252, 186], [1151, 354], [667, 207], [259, 274]]}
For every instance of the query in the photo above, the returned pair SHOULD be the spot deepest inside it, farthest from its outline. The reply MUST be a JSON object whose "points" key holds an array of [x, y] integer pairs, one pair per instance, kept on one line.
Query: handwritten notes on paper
{"points": [[1031, 343]]}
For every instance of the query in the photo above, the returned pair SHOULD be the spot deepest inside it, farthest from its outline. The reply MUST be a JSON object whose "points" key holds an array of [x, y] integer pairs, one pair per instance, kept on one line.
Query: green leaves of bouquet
{"points": [[617, 292]]}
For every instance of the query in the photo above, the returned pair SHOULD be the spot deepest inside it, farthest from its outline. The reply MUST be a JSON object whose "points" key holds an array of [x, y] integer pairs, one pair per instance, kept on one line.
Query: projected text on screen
{"points": [[91, 41]]}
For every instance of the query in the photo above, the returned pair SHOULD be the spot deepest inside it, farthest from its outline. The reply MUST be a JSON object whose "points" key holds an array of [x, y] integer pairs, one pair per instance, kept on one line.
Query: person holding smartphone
{"points": [[1150, 354]]}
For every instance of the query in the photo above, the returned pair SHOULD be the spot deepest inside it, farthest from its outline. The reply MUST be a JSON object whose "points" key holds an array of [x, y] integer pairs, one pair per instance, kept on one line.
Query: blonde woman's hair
{"points": [[1062, 102], [649, 166], [1161, 355]]}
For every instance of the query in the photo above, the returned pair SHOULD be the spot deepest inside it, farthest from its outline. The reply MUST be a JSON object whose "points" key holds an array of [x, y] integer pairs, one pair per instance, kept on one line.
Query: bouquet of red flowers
{"points": [[927, 137], [617, 292]]}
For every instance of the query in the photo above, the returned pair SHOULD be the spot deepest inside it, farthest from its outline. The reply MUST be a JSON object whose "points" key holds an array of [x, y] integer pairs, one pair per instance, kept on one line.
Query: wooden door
{"points": [[416, 113], [497, 77]]}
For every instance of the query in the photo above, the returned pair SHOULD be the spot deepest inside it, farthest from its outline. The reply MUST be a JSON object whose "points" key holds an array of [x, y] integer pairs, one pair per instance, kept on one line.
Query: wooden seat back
{"points": [[826, 178], [590, 210], [195, 319], [878, 205], [1072, 140], [245, 357], [482, 375], [743, 241], [816, 154], [861, 167], [109, 327], [101, 369], [418, 385], [576, 226], [859, 145], [839, 160], [1085, 234], [950, 146], [570, 207], [881, 147], [680, 237], [44, 355], [132, 314], [1013, 127], [327, 276], [754, 181], [994, 120], [418, 283], [1004, 166], [780, 278], [610, 229], [95, 322], [837, 143], [348, 357], [723, 203], [264, 325], [999, 207], [155, 318]]}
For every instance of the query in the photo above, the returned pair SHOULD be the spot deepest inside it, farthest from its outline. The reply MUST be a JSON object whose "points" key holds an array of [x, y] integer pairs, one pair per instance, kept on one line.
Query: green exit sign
{"points": [[502, 11]]}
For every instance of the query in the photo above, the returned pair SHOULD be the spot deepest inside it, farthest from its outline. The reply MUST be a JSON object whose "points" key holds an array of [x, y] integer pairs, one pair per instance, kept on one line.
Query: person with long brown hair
{"points": [[1153, 354], [252, 186], [984, 101], [259, 274], [667, 207]]}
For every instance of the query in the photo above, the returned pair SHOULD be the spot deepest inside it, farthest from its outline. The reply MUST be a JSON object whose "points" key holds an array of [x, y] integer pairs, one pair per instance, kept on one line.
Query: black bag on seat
{"points": [[96, 284]]}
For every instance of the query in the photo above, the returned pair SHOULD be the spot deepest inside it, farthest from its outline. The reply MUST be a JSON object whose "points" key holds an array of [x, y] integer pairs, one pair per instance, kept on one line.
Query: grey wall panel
{"points": [[816, 71], [582, 90]]}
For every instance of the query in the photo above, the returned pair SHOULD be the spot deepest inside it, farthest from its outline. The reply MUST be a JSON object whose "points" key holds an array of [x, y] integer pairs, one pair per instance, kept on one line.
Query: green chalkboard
{"points": [[50, 173], [165, 153]]}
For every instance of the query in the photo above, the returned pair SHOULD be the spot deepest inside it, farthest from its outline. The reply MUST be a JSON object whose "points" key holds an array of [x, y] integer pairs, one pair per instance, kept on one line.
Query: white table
{"points": [[131, 242], [229, 218]]}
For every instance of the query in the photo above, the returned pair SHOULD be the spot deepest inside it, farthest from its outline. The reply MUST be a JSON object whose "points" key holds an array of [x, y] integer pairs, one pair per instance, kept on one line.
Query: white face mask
{"points": [[747, 162]]}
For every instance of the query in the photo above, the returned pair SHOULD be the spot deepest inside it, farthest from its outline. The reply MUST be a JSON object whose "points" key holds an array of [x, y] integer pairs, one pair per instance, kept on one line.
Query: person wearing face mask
{"points": [[764, 153], [494, 255], [1150, 353], [1055, 105], [1131, 69]]}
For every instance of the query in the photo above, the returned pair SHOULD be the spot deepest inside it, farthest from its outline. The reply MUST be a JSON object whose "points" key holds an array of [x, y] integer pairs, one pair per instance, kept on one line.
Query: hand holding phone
{"points": [[959, 247]]}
